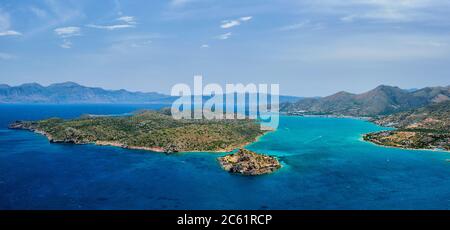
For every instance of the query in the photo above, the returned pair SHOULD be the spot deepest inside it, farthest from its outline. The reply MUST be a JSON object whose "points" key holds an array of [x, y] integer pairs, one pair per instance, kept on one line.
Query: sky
{"points": [[309, 47]]}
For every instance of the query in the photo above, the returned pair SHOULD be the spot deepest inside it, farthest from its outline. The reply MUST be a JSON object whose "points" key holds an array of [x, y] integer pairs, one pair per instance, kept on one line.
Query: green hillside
{"points": [[423, 128], [149, 131]]}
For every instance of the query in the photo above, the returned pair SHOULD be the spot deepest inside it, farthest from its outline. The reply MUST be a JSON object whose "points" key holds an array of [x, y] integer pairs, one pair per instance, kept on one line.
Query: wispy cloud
{"points": [[246, 18], [179, 3], [56, 14], [204, 46], [224, 36], [6, 56], [124, 43], [226, 24], [111, 27], [295, 26], [378, 10], [306, 24], [127, 19], [10, 33], [377, 47], [66, 32], [5, 25], [126, 22], [40, 13], [66, 44]]}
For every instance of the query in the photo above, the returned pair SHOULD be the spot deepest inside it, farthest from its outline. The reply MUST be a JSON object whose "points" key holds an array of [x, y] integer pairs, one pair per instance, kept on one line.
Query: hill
{"points": [[379, 101], [73, 93], [148, 130], [423, 128]]}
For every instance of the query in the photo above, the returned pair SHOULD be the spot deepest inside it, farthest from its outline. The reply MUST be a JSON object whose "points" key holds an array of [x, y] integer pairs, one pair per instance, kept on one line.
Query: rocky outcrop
{"points": [[249, 163]]}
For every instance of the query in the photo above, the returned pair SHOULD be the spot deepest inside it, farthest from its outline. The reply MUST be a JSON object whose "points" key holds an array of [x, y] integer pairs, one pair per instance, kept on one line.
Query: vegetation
{"points": [[424, 128], [382, 100], [249, 163], [148, 130]]}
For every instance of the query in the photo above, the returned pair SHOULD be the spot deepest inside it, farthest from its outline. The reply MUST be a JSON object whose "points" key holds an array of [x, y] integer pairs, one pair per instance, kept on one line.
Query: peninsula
{"points": [[423, 128], [149, 130]]}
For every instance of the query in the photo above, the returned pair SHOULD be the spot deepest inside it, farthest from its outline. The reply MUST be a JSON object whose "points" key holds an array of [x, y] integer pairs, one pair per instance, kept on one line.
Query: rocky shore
{"points": [[150, 131], [424, 128], [249, 163]]}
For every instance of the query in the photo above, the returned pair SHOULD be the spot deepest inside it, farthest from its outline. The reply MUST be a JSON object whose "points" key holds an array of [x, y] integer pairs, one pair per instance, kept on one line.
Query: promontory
{"points": [[149, 130]]}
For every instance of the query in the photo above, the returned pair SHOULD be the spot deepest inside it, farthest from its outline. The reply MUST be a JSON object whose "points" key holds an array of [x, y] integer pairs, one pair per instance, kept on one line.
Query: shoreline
{"points": [[362, 136], [161, 150], [327, 116], [371, 142], [149, 149], [402, 148]]}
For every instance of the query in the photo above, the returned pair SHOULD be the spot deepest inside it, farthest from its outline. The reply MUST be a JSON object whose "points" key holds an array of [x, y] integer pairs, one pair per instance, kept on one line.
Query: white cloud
{"points": [[6, 56], [66, 44], [247, 18], [224, 36], [226, 24], [381, 14], [295, 26], [56, 14], [380, 10], [5, 25], [111, 27], [139, 44], [66, 32], [127, 19], [204, 46], [307, 24], [127, 22], [10, 33], [229, 24]]}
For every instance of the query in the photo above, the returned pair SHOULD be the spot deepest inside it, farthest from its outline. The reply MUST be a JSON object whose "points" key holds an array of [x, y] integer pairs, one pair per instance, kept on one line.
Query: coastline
{"points": [[395, 147], [362, 136], [161, 150], [326, 116], [149, 149]]}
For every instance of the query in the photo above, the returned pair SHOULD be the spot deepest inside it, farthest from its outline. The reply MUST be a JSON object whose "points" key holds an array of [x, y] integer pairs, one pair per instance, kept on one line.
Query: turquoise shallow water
{"points": [[326, 166]]}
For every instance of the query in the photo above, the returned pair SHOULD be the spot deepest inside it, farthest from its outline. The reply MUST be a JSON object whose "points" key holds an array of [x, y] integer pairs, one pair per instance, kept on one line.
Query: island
{"points": [[249, 163], [423, 128], [149, 130]]}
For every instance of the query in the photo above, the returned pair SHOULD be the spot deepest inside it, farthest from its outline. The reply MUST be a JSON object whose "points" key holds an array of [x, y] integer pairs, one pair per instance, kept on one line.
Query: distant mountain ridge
{"points": [[379, 101], [73, 93]]}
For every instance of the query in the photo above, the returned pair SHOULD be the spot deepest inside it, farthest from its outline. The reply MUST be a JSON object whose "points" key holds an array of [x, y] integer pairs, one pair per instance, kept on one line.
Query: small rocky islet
{"points": [[158, 132], [249, 163]]}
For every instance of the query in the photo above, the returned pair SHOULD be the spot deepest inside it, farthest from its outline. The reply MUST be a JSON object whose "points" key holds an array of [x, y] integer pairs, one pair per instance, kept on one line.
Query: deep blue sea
{"points": [[326, 166]]}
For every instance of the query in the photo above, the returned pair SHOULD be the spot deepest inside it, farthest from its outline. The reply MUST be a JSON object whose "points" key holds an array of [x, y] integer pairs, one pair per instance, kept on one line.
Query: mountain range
{"points": [[379, 101], [73, 93]]}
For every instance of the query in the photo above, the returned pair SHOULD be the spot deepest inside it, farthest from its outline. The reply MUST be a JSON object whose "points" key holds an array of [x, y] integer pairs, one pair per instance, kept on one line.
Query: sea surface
{"points": [[326, 166]]}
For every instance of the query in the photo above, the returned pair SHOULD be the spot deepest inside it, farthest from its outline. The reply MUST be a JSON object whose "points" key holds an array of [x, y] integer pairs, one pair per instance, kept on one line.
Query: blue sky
{"points": [[309, 47]]}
